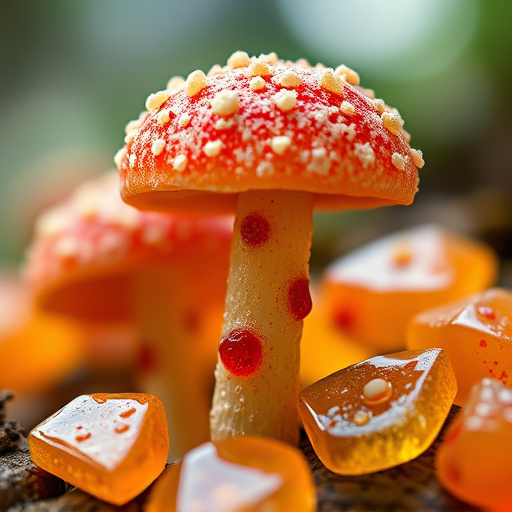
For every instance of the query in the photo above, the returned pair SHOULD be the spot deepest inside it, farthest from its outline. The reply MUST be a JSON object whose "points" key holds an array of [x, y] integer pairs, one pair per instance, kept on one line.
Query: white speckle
{"points": [[239, 60], [287, 79], [417, 158], [212, 148], [369, 93], [392, 122], [224, 124], [280, 144], [333, 410], [132, 125], [399, 161], [331, 81], [259, 68], [225, 103], [215, 70], [474, 423], [184, 119], [163, 117], [257, 83], [119, 157], [130, 136], [348, 74], [155, 101], [157, 147], [320, 162], [132, 160], [180, 163], [483, 409], [66, 247], [175, 84], [379, 105], [365, 153], [349, 130], [152, 235], [265, 169], [51, 223], [505, 396], [195, 82], [285, 99], [347, 108], [269, 58]]}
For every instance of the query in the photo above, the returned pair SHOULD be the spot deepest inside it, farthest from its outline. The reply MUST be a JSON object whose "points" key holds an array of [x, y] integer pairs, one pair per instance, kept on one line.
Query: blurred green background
{"points": [[72, 74]]}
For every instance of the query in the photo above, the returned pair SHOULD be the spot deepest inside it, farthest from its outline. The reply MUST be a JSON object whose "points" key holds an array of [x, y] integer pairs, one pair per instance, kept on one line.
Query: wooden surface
{"points": [[409, 487]]}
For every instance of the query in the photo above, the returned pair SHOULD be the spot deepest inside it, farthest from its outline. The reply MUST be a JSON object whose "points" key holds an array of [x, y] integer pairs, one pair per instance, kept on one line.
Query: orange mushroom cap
{"points": [[262, 123], [85, 249]]}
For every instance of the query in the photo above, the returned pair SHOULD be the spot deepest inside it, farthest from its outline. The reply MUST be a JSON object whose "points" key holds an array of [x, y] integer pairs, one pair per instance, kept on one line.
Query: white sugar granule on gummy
{"points": [[195, 82], [287, 79], [399, 161], [180, 163], [285, 99], [175, 84], [351, 76], [239, 60], [347, 108], [130, 136], [155, 100], [132, 160], [417, 158], [348, 130], [212, 148], [119, 157], [157, 147], [163, 117], [257, 83], [331, 81], [280, 144], [392, 122], [365, 153], [225, 102], [258, 68]]}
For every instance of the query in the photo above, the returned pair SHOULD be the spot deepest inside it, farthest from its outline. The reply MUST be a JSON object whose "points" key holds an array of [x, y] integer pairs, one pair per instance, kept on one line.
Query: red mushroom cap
{"points": [[86, 248], [267, 124]]}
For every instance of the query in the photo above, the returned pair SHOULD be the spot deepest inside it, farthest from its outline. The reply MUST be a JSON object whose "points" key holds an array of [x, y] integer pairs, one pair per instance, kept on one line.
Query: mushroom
{"points": [[99, 260], [270, 140]]}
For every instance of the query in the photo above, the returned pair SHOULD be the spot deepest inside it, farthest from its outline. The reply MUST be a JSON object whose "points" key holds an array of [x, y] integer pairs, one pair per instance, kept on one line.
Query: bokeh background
{"points": [[72, 74]]}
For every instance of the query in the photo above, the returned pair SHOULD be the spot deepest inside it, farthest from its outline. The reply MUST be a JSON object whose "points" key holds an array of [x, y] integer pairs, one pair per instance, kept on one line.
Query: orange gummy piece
{"points": [[373, 292], [109, 445], [324, 349], [378, 413], [237, 474], [476, 334], [474, 459]]}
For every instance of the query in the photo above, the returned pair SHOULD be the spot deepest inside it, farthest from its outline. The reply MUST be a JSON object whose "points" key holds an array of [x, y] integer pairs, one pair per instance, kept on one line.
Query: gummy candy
{"points": [[110, 445], [378, 413]]}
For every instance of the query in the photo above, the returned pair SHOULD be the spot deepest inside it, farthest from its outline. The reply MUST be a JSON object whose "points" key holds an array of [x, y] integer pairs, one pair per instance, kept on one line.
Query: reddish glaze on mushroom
{"points": [[270, 140], [99, 260]]}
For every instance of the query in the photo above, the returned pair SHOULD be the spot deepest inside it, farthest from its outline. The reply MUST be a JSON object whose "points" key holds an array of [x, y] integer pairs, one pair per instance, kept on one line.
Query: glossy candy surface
{"points": [[474, 460], [109, 445], [239, 474], [476, 334], [378, 413], [373, 292]]}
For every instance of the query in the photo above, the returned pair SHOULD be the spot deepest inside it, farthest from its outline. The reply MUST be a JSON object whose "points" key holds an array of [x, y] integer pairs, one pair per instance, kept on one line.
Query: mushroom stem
{"points": [[268, 296], [174, 352]]}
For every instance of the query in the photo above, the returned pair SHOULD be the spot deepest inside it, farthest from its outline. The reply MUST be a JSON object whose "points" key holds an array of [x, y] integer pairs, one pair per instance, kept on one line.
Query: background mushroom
{"points": [[99, 260], [271, 140]]}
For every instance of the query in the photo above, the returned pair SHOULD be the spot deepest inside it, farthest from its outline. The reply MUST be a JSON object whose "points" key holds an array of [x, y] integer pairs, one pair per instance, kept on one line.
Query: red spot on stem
{"points": [[483, 343], [241, 352], [255, 230], [299, 298]]}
